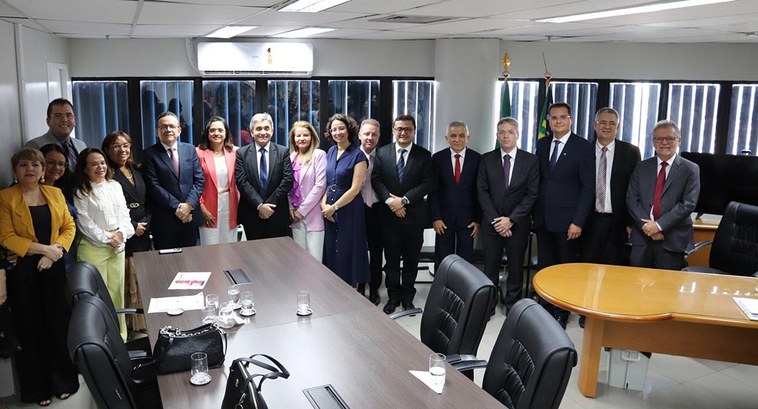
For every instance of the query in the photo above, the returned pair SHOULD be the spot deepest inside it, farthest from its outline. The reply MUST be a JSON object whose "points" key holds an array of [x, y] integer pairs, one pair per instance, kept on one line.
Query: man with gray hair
{"points": [[263, 172], [662, 194]]}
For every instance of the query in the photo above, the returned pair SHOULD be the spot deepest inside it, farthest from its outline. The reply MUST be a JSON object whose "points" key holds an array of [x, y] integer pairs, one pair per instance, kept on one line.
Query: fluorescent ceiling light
{"points": [[650, 8], [304, 32], [312, 6], [230, 31]]}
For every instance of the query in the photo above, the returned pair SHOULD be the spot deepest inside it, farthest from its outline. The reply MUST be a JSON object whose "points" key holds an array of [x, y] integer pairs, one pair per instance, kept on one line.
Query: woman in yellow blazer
{"points": [[36, 225]]}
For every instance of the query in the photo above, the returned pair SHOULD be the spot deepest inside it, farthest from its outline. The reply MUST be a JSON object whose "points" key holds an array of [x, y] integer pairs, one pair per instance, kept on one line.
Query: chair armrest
{"points": [[697, 247], [137, 355], [755, 274], [456, 358], [703, 269], [469, 362], [144, 371], [130, 311], [412, 311]]}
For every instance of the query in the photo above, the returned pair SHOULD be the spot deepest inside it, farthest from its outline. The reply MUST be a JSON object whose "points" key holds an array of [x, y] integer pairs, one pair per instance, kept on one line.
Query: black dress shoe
{"points": [[562, 320], [374, 298], [581, 321], [390, 307]]}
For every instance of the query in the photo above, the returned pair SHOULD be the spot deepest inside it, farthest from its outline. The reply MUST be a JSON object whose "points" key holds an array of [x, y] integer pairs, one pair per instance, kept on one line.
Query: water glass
{"points": [[199, 373], [234, 295], [226, 315], [247, 303], [437, 369], [304, 303], [210, 314]]}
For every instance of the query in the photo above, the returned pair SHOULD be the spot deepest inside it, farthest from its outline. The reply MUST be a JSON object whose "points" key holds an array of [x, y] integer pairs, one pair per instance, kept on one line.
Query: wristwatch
{"points": [[406, 202], [336, 207]]}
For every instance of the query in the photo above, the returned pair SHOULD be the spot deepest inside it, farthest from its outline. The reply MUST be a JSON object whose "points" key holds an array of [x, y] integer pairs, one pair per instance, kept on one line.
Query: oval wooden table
{"points": [[642, 309]]}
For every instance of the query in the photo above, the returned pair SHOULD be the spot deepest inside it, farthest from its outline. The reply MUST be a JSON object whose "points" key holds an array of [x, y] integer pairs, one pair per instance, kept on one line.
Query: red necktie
{"points": [[457, 168], [659, 191], [173, 159]]}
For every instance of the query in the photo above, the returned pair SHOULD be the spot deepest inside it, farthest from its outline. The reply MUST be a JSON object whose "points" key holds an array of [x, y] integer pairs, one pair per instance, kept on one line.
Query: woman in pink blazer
{"points": [[309, 171], [220, 197]]}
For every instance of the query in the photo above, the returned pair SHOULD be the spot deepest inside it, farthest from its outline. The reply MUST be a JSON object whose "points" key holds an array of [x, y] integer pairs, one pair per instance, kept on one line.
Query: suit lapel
{"points": [[210, 162], [518, 172], [163, 155], [673, 173]]}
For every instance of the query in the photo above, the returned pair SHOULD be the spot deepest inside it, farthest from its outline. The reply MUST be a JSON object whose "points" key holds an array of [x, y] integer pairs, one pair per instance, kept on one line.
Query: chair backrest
{"points": [[458, 307], [735, 244], [84, 279], [97, 350], [531, 361]]}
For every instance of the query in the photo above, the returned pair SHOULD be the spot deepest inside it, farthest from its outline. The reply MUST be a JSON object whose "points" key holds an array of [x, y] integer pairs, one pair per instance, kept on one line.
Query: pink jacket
{"points": [[209, 197], [312, 188]]}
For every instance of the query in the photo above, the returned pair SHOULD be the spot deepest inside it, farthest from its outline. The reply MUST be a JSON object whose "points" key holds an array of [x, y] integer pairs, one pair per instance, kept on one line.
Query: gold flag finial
{"points": [[548, 75], [506, 65]]}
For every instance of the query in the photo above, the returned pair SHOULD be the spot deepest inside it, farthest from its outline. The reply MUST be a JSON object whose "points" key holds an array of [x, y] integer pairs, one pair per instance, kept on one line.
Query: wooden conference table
{"points": [[670, 312], [347, 341]]}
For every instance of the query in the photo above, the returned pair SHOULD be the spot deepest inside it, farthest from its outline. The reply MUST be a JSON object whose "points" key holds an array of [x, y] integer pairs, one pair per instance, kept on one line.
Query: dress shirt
{"points": [[407, 153], [175, 147], [103, 211], [512, 154], [452, 158], [367, 191], [658, 170], [563, 141], [258, 157], [607, 207]]}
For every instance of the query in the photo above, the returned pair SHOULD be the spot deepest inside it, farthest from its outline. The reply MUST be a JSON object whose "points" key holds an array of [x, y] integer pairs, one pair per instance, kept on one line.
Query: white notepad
{"points": [[749, 306]]}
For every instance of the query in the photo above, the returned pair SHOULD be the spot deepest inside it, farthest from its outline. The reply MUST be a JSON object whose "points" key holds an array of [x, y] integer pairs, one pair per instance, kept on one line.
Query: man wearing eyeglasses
{"points": [[174, 182], [662, 194], [61, 122], [401, 177]]}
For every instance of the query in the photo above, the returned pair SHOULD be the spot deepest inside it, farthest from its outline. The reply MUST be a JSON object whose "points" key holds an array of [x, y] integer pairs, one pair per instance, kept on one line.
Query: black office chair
{"points": [[457, 308], [97, 350], [734, 248], [84, 280], [531, 361]]}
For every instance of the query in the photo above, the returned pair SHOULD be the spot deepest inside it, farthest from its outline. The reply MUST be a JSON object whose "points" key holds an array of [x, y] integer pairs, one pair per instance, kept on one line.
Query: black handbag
{"points": [[241, 390], [174, 346]]}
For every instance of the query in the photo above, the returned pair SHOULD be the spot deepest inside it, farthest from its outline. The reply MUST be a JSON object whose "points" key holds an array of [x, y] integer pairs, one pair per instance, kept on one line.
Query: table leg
{"points": [[589, 362]]}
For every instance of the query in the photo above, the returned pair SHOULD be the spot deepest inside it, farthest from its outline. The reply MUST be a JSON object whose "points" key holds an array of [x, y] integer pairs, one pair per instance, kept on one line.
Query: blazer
{"points": [[16, 228], [140, 209], [279, 180], [517, 200], [680, 194], [167, 190], [209, 198], [455, 203], [625, 159], [567, 192], [312, 187], [417, 183], [48, 138]]}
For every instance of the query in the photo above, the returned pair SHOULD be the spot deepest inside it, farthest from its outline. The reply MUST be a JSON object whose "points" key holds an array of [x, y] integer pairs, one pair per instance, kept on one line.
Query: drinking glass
{"points": [[247, 303], [304, 303], [199, 373], [437, 369], [226, 315], [234, 295]]}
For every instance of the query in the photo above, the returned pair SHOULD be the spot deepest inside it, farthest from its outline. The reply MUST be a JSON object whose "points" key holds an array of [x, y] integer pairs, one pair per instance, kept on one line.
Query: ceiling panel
{"points": [[381, 6], [94, 29], [272, 17], [165, 13], [96, 11], [180, 31]]}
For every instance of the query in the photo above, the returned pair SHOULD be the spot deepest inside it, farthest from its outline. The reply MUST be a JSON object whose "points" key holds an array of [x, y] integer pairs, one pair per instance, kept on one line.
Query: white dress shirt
{"points": [[102, 212]]}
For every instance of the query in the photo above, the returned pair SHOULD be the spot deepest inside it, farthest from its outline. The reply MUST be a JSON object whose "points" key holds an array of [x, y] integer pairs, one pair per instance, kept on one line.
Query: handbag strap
{"points": [[275, 372]]}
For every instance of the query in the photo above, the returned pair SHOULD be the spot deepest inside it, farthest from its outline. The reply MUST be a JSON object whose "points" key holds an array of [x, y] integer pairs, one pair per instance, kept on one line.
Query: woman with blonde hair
{"points": [[309, 184]]}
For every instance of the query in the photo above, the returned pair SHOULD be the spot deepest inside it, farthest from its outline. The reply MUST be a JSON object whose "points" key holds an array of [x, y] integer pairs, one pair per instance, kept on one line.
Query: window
{"points": [[290, 101], [743, 120], [694, 108], [581, 96], [161, 96], [637, 105], [416, 98], [235, 102], [357, 99], [100, 107], [524, 100]]}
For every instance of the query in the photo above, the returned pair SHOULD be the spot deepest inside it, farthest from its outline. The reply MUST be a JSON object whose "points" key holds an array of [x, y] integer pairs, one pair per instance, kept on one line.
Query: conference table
{"points": [[651, 310], [347, 342]]}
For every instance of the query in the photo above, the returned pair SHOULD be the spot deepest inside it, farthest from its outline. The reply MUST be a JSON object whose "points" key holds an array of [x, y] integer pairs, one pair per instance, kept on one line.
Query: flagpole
{"points": [[543, 127], [505, 102]]}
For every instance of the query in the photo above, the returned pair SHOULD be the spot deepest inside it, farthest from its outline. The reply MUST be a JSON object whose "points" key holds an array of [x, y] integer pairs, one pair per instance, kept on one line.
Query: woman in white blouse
{"points": [[103, 221]]}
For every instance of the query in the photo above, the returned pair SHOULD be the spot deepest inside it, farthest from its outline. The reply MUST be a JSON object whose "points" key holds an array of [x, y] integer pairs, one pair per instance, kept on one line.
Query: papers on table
{"points": [[186, 303], [189, 280], [749, 306], [426, 378]]}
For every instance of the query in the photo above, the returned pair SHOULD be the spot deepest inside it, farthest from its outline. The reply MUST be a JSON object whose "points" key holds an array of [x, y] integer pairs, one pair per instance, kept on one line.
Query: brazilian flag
{"points": [[543, 128]]}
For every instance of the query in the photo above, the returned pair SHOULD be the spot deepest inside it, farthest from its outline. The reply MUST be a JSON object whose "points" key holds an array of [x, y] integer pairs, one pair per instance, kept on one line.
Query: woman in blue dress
{"points": [[345, 250]]}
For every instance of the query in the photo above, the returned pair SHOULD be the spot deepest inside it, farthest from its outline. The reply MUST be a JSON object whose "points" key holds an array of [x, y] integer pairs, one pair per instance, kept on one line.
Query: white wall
{"points": [[10, 117]]}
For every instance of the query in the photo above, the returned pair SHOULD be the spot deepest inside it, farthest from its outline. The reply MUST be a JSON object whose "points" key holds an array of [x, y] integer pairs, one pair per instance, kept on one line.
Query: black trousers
{"points": [[603, 242], [554, 248], [375, 242], [185, 237], [455, 240], [653, 255], [402, 242], [515, 247], [41, 316]]}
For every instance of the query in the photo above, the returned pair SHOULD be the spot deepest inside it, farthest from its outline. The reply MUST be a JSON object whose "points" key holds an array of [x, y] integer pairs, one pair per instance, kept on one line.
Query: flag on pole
{"points": [[543, 128], [505, 103]]}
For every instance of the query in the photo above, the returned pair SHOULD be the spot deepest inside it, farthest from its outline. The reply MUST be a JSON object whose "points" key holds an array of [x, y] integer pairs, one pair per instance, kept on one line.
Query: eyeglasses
{"points": [[403, 130], [168, 127], [606, 123], [337, 129], [123, 146], [667, 139]]}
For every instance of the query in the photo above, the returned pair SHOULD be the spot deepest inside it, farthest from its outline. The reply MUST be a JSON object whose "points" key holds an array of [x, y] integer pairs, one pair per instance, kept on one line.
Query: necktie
{"points": [[263, 171], [507, 169], [554, 156], [401, 166], [173, 159], [602, 168], [659, 191], [457, 168], [367, 191], [71, 153]]}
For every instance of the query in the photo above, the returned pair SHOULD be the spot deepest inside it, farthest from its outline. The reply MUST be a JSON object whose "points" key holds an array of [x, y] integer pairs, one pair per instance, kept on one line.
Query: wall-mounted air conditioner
{"points": [[255, 59]]}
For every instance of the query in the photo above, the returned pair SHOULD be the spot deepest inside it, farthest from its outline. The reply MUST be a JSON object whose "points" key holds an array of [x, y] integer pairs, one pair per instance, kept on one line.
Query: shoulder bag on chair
{"points": [[241, 390], [174, 346]]}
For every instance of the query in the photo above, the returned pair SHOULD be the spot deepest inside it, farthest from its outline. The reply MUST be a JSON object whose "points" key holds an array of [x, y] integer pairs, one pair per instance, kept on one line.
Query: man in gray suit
{"points": [[662, 193], [61, 122]]}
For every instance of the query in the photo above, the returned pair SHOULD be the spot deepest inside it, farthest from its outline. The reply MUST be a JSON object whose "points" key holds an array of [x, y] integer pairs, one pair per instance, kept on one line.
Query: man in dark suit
{"points": [[507, 188], [606, 233], [174, 182], [453, 204], [402, 176], [264, 177], [369, 136], [662, 194], [566, 194]]}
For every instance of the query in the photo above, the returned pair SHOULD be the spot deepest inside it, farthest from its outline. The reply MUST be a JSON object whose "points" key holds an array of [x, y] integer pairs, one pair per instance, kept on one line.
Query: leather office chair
{"points": [[457, 309], [735, 244], [97, 350], [531, 361]]}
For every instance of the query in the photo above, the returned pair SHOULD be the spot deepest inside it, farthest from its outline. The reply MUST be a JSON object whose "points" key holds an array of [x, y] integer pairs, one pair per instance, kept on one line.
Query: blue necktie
{"points": [[401, 166], [554, 157], [263, 171]]}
